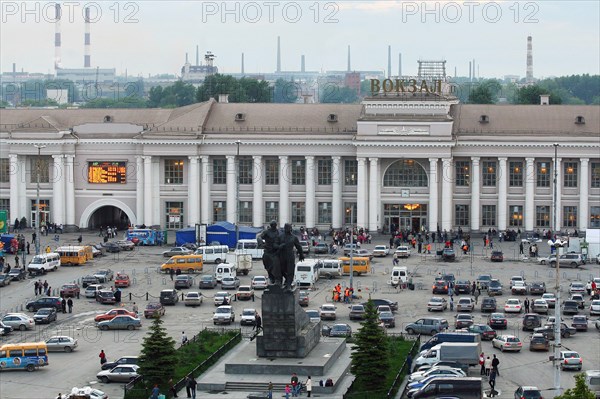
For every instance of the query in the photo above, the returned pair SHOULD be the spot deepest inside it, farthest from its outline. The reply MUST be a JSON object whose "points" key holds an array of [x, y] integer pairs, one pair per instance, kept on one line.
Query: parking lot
{"points": [[79, 368]]}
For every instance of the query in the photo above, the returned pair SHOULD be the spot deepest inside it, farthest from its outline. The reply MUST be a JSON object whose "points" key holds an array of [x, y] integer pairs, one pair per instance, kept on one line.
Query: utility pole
{"points": [[558, 243], [37, 204], [351, 246], [237, 194]]}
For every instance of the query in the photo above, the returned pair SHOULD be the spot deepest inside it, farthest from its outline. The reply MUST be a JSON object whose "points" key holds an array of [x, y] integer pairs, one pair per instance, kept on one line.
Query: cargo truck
{"points": [[462, 352]]}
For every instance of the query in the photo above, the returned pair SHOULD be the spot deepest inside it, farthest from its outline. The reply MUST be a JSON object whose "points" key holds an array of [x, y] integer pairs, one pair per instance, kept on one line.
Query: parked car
{"points": [[104, 275], [248, 317], [537, 288], [177, 251], [61, 343], [313, 315], [507, 343], [124, 322], [89, 280], [580, 323], [519, 288], [494, 287], [71, 290], [192, 298], [106, 297], [224, 315], [340, 330], [595, 307], [357, 312], [531, 321], [498, 321], [18, 321], [579, 299], [462, 287], [124, 373], [428, 325], [327, 312], [222, 298], [112, 247], [207, 281], [4, 280], [576, 288], [121, 361], [484, 280], [546, 260], [111, 314], [402, 252], [548, 331], [528, 392], [183, 281], [122, 280], [513, 305], [45, 316], [550, 299], [539, 342], [569, 260], [363, 253], [5, 329], [539, 306], [465, 304], [125, 245], [463, 320], [230, 283], [45, 302], [305, 247], [381, 251], [448, 254], [437, 303], [321, 248], [259, 282], [570, 307], [570, 360], [245, 293], [439, 287], [488, 305], [388, 319], [497, 256], [485, 331], [169, 297], [154, 309], [17, 274], [92, 290], [378, 302]]}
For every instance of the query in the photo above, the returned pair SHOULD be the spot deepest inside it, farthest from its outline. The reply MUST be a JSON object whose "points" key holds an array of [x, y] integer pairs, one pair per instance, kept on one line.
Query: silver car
{"points": [[61, 343], [230, 283], [124, 373]]}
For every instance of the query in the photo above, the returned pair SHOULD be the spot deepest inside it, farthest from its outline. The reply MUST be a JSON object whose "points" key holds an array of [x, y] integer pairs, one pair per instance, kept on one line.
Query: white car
{"points": [[519, 287], [313, 315], [550, 299], [595, 307], [89, 393], [381, 250], [576, 288], [507, 343], [248, 317], [327, 312], [223, 315], [402, 252], [465, 305], [513, 305], [18, 321], [540, 306], [516, 278], [546, 260], [570, 360], [437, 303], [259, 282], [221, 297], [444, 371], [192, 298]]}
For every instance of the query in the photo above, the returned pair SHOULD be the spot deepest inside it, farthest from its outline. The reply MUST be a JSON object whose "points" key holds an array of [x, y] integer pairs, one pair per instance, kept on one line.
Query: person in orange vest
{"points": [[336, 297]]}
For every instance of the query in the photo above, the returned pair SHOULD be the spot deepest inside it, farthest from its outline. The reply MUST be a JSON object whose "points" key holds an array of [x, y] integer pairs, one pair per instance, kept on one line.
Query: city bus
{"points": [[144, 236], [74, 255], [28, 356]]}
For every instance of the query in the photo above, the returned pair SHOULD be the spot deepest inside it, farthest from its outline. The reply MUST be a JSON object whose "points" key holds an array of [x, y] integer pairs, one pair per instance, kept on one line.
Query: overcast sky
{"points": [[150, 37]]}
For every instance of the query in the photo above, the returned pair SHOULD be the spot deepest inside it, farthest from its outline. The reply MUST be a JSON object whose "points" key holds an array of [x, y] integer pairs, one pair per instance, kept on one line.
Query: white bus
{"points": [[307, 272], [249, 247], [44, 262], [213, 253], [330, 268]]}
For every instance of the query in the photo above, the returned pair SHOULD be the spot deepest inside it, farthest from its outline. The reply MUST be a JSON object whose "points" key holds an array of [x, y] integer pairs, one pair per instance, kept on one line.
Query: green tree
{"points": [[370, 357], [332, 93], [485, 92], [242, 90], [581, 390], [285, 91], [159, 357], [531, 95], [177, 95]]}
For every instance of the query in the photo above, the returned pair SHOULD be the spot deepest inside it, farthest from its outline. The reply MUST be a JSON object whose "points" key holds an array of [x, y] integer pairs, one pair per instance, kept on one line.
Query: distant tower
{"points": [[187, 59], [278, 54], [474, 75], [302, 63], [399, 64], [57, 38], [243, 63], [529, 74], [349, 65], [470, 72], [87, 62], [197, 56], [389, 70]]}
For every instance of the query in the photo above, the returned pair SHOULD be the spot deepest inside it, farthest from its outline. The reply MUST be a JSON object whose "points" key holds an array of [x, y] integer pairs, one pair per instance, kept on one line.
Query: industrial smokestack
{"points": [[302, 64], [474, 75], [455, 74], [57, 38], [349, 66], [278, 54], [470, 72], [399, 64], [197, 56], [14, 68], [389, 69], [242, 63], [186, 58], [529, 73], [87, 62]]}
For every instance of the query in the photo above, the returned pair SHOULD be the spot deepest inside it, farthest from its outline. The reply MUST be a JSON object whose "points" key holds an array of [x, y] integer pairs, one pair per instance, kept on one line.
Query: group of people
{"points": [[489, 368], [40, 288], [109, 232], [340, 295]]}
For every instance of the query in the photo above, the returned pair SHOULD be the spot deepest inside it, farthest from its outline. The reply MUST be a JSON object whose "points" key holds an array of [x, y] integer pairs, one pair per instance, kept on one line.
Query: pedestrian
{"points": [[63, 304], [70, 305], [45, 285], [526, 305], [309, 386], [473, 287], [16, 260], [257, 323], [451, 303], [288, 390], [409, 362], [79, 239], [492, 380], [294, 382], [117, 295], [495, 363], [155, 392], [521, 249], [270, 390], [102, 357], [171, 273], [482, 363], [184, 338], [48, 291], [28, 252], [588, 288], [193, 384], [476, 296], [188, 386], [172, 388], [135, 308], [488, 365], [36, 287], [59, 396]]}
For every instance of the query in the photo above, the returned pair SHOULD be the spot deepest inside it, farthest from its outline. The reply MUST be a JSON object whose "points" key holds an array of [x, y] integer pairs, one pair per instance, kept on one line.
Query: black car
{"points": [[448, 255], [488, 305], [112, 247], [570, 307], [45, 316], [531, 321], [4, 280], [388, 319], [462, 287], [7, 329], [207, 281], [47, 302], [321, 248], [440, 287], [387, 302], [497, 256], [89, 280], [548, 331], [537, 287], [17, 274], [182, 281], [449, 278], [494, 287]]}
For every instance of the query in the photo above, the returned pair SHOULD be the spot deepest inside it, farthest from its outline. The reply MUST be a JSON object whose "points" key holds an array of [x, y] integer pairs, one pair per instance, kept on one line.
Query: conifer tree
{"points": [[159, 357]]}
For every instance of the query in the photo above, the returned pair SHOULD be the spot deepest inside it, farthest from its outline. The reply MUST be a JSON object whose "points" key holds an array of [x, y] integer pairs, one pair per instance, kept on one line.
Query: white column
{"points": [[284, 193], [24, 203], [232, 196], [502, 195], [58, 190], [374, 195], [193, 191], [447, 197], [558, 215], [583, 195], [258, 213], [529, 194], [148, 203], [337, 208], [139, 189], [433, 194], [158, 208], [70, 190], [310, 192], [205, 202], [15, 198], [361, 193], [475, 193]]}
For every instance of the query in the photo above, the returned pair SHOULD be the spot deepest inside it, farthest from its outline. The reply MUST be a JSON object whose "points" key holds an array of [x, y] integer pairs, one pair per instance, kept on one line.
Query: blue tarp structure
{"points": [[223, 232], [185, 236]]}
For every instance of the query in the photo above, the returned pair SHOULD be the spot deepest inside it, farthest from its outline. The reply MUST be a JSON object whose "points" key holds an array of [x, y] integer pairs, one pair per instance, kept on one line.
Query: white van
{"points": [[399, 276], [249, 247], [307, 272], [44, 262], [330, 268], [213, 253], [224, 270]]}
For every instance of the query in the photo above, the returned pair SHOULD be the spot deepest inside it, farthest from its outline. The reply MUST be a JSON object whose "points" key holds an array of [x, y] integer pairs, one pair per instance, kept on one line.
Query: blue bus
{"points": [[145, 236], [29, 356]]}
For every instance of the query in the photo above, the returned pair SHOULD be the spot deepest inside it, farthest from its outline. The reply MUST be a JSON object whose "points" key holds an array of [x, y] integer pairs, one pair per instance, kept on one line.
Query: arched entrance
{"points": [[107, 212]]}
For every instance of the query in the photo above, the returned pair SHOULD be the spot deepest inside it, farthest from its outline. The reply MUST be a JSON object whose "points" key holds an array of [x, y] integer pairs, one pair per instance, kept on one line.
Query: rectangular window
{"points": [[219, 171], [44, 168], [571, 174], [595, 172], [461, 215], [570, 216], [542, 216], [324, 168], [595, 217], [246, 166], [298, 212], [516, 215], [543, 173], [174, 215], [515, 174], [298, 172], [245, 209], [271, 211], [324, 213], [488, 174], [173, 171], [350, 172], [272, 172], [463, 175], [219, 211], [5, 205], [350, 210], [4, 170], [488, 215]]}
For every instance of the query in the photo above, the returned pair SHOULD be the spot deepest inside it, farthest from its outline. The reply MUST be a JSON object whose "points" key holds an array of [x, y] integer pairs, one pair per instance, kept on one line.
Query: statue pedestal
{"points": [[287, 330]]}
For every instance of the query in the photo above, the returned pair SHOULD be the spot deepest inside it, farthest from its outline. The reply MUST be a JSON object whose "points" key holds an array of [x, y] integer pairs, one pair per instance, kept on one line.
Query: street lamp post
{"points": [[558, 243], [351, 246], [237, 194], [37, 204]]}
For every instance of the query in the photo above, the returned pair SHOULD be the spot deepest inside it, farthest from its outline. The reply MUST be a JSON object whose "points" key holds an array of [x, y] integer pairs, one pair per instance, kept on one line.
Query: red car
{"points": [[69, 290], [154, 309], [122, 281], [111, 314]]}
